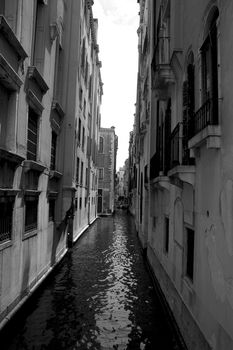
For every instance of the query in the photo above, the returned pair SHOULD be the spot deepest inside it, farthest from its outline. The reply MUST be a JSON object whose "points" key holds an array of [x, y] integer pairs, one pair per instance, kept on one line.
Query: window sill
{"points": [[11, 157], [55, 174], [29, 234], [8, 192], [8, 33], [52, 194], [5, 245], [35, 75], [8, 77], [33, 165], [188, 283], [211, 135], [57, 108]]}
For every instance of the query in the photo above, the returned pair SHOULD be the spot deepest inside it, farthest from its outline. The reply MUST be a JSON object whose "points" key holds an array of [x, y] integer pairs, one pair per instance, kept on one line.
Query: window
{"points": [[84, 109], [80, 203], [189, 253], [188, 108], [38, 37], [101, 173], [6, 216], [209, 56], [83, 56], [89, 121], [32, 140], [80, 97], [83, 139], [86, 72], [90, 87], [31, 207], [58, 72], [77, 170], [79, 131], [52, 209], [166, 235], [81, 175], [101, 144], [4, 102], [53, 151], [86, 184]]}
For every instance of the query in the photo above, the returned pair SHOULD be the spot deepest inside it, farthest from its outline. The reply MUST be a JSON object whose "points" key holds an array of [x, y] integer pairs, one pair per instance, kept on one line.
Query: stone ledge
{"points": [[8, 33], [161, 181], [8, 77], [211, 134], [186, 173], [33, 165], [10, 156]]}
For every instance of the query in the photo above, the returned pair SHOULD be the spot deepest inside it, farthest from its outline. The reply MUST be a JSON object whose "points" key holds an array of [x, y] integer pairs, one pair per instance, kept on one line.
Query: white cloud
{"points": [[117, 38]]}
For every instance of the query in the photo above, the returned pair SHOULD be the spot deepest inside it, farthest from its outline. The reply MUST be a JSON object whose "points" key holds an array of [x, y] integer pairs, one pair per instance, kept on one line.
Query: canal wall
{"points": [[186, 322], [16, 303]]}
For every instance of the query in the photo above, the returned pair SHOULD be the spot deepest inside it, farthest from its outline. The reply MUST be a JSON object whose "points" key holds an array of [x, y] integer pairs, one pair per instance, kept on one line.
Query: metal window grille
{"points": [[6, 215]]}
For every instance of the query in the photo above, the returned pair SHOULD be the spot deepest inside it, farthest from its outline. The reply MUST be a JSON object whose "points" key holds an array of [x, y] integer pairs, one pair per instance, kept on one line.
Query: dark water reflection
{"points": [[101, 297]]}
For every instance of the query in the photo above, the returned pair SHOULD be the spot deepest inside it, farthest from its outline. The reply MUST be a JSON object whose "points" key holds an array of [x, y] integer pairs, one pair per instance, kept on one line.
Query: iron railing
{"points": [[180, 153], [206, 115]]}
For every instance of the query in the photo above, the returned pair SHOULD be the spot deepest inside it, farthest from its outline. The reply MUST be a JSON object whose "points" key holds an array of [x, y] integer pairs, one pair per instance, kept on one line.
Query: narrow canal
{"points": [[101, 296]]}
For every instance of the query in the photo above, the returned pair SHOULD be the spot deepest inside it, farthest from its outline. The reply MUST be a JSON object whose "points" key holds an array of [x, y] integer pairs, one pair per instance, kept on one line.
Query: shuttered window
{"points": [[53, 151], [32, 139]]}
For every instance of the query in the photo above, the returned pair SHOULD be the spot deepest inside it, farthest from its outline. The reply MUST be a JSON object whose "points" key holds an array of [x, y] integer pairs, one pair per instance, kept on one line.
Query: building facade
{"points": [[181, 148], [106, 162], [87, 124], [40, 76]]}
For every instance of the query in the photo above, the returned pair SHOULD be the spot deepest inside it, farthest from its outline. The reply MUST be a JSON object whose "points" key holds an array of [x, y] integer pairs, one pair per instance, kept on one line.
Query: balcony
{"points": [[182, 166], [158, 178], [163, 72], [204, 126]]}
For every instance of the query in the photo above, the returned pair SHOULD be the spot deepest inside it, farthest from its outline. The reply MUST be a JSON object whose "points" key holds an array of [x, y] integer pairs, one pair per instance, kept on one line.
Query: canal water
{"points": [[101, 296]]}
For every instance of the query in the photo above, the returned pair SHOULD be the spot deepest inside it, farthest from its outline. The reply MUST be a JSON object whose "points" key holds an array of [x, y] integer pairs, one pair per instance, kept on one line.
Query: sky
{"points": [[118, 43]]}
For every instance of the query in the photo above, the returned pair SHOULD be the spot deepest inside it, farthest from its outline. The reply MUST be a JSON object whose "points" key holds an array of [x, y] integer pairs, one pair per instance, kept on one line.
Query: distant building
{"points": [[122, 188], [106, 162]]}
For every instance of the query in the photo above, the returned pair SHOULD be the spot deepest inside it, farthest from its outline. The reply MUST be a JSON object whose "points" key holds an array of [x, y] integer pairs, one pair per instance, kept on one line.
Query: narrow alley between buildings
{"points": [[101, 296]]}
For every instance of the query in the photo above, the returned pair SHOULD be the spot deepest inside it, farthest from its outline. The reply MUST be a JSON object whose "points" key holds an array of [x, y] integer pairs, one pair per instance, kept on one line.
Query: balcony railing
{"points": [[206, 115], [180, 154]]}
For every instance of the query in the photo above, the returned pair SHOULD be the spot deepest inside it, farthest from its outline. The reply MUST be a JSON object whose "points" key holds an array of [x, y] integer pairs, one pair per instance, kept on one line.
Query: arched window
{"points": [[209, 56]]}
